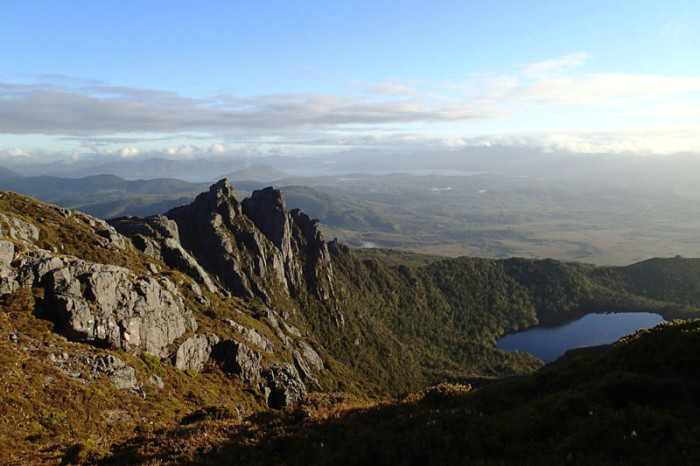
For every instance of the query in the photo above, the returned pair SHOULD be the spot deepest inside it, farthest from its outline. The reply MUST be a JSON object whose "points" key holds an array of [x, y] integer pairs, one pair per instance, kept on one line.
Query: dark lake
{"points": [[548, 343]]}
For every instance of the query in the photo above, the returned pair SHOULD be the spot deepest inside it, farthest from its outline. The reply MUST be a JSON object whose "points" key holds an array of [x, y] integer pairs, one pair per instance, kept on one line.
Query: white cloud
{"points": [[128, 152], [548, 68], [545, 96], [603, 89], [35, 109], [390, 87], [13, 153], [664, 140], [216, 149]]}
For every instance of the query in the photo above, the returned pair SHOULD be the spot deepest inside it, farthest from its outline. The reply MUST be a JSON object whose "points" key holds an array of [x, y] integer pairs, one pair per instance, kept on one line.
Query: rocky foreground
{"points": [[251, 250]]}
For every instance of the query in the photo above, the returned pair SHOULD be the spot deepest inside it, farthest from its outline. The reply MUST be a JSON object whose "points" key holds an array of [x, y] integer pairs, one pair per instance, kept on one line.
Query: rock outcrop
{"points": [[254, 249], [18, 229], [195, 351], [252, 336], [101, 304], [90, 367], [159, 237], [285, 385], [225, 242], [121, 375], [239, 359]]}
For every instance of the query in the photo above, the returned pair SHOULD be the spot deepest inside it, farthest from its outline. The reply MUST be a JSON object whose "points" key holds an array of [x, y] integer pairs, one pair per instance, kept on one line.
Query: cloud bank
{"points": [[555, 93]]}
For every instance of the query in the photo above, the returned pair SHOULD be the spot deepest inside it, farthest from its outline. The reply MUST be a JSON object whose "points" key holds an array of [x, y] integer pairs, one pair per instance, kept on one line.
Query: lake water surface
{"points": [[548, 343]]}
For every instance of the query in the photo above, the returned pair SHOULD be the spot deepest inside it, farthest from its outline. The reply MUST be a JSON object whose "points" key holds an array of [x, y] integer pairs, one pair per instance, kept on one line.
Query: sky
{"points": [[184, 79]]}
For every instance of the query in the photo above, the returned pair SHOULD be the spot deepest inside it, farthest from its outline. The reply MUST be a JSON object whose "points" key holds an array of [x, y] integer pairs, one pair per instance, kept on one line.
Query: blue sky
{"points": [[128, 78]]}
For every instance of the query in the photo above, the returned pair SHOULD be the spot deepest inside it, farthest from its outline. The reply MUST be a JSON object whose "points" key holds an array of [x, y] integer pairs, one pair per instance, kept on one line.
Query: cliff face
{"points": [[102, 304], [253, 249]]}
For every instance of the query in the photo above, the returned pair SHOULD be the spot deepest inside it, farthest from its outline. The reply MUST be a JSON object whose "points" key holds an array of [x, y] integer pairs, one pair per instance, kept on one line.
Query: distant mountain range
{"points": [[258, 172], [104, 196], [607, 222], [674, 170]]}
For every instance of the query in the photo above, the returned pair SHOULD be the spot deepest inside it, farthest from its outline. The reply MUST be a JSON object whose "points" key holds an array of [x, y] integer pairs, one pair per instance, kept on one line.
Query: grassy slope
{"points": [[636, 404], [51, 417]]}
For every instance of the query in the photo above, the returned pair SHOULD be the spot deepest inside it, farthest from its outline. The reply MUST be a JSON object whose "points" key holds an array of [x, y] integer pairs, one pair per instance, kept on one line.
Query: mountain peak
{"points": [[221, 185]]}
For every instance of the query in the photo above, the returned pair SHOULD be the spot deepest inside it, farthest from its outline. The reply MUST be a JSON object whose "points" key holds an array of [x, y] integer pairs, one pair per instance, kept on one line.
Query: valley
{"points": [[598, 210]]}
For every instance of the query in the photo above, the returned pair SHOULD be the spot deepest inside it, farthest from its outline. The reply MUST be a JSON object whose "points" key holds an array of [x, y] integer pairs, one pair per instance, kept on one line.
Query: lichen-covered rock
{"points": [[286, 387], [159, 237], [17, 228], [194, 352], [252, 336], [309, 355], [157, 381], [121, 375], [101, 304], [7, 273], [198, 295], [239, 359], [111, 235]]}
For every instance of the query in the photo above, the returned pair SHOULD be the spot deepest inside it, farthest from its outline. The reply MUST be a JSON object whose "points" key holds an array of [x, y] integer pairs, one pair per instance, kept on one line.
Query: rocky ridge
{"points": [[254, 250]]}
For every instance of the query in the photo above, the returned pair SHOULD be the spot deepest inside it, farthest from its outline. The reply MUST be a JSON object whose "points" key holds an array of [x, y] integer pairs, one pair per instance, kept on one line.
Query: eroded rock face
{"points": [[267, 210], [121, 375], [307, 360], [255, 246], [100, 304], [239, 359], [195, 351], [286, 387], [317, 269], [159, 237], [309, 355], [224, 241]]}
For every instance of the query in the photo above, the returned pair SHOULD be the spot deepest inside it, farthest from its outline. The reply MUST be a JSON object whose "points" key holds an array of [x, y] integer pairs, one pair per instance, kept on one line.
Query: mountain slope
{"points": [[221, 309], [636, 404], [258, 172]]}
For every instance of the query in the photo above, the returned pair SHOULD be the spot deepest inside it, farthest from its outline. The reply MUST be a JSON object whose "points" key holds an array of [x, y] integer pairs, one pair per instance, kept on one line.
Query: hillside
{"points": [[636, 404], [6, 173], [221, 310]]}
